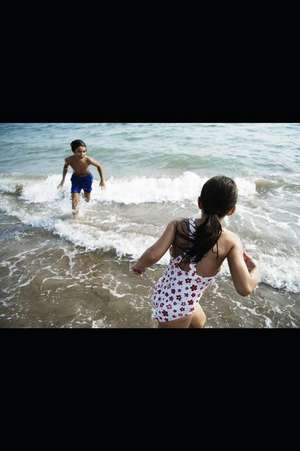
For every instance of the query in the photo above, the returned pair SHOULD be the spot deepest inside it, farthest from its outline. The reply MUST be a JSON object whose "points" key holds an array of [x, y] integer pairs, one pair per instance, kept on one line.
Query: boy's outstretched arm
{"points": [[154, 253], [65, 170], [100, 170]]}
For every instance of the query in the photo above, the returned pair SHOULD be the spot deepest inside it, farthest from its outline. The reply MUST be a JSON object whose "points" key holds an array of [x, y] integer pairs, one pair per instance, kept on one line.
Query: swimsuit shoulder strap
{"points": [[192, 226]]}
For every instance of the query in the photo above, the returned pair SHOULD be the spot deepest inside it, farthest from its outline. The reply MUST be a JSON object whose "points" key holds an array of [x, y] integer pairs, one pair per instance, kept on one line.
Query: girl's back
{"points": [[210, 264]]}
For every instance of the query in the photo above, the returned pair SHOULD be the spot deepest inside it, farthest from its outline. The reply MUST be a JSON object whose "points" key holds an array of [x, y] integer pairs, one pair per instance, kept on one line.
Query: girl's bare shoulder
{"points": [[182, 224], [179, 221], [230, 237]]}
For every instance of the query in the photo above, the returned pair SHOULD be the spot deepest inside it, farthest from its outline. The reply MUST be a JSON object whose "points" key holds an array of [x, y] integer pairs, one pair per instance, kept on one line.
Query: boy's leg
{"points": [[19, 189], [87, 196], [87, 187], [75, 201], [75, 192], [198, 317]]}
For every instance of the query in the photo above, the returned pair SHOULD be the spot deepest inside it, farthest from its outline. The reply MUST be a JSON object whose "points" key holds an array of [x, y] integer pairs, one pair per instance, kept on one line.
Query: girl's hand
{"points": [[249, 261], [60, 185], [138, 269], [102, 185]]}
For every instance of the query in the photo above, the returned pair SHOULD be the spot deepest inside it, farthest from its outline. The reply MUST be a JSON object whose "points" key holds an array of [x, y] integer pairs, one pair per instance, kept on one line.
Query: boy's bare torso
{"points": [[79, 166]]}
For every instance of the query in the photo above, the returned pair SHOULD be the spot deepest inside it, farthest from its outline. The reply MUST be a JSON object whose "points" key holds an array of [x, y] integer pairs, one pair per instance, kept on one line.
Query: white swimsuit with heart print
{"points": [[176, 292]]}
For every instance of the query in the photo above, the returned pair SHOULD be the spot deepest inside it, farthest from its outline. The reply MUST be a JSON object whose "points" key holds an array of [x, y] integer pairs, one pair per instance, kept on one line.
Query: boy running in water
{"points": [[81, 178]]}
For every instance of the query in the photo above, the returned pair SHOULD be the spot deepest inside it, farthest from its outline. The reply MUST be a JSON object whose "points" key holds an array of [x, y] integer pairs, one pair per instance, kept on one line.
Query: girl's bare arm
{"points": [[244, 271], [154, 253]]}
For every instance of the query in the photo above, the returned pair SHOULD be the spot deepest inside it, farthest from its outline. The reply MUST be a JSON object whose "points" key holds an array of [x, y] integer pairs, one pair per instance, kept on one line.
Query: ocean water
{"points": [[60, 272]]}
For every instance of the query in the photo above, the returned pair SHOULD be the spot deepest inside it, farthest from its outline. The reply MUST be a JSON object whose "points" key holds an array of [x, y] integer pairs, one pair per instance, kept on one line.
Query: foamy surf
{"points": [[280, 272], [101, 227], [134, 190]]}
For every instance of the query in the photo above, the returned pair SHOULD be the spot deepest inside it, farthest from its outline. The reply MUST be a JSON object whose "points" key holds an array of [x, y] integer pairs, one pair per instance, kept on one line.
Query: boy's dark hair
{"points": [[218, 196], [76, 143]]}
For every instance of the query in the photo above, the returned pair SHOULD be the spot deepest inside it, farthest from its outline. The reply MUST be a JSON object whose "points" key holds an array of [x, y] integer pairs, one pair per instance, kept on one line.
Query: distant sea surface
{"points": [[60, 272]]}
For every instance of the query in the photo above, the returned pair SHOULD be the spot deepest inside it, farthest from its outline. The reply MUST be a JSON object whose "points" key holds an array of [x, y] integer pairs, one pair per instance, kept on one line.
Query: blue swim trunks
{"points": [[81, 182]]}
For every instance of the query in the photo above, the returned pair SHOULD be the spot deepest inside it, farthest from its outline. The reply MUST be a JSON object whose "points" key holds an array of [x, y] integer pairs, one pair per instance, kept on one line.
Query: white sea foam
{"points": [[246, 187], [43, 191], [92, 238], [42, 205], [146, 189], [134, 190], [280, 272]]}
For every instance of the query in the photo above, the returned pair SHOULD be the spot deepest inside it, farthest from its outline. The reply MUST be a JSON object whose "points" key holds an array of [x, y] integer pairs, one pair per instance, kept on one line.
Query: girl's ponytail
{"points": [[205, 237], [218, 197]]}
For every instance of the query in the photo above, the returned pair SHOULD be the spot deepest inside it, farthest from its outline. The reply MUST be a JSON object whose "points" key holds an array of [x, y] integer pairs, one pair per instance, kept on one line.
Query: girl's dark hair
{"points": [[76, 143], [218, 196]]}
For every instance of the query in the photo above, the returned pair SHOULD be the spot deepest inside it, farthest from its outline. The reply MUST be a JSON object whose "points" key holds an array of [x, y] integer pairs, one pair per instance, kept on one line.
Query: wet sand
{"points": [[47, 282]]}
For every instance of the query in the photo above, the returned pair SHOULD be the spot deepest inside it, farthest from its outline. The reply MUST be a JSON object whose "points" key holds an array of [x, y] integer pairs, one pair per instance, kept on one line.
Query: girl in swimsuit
{"points": [[198, 248]]}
